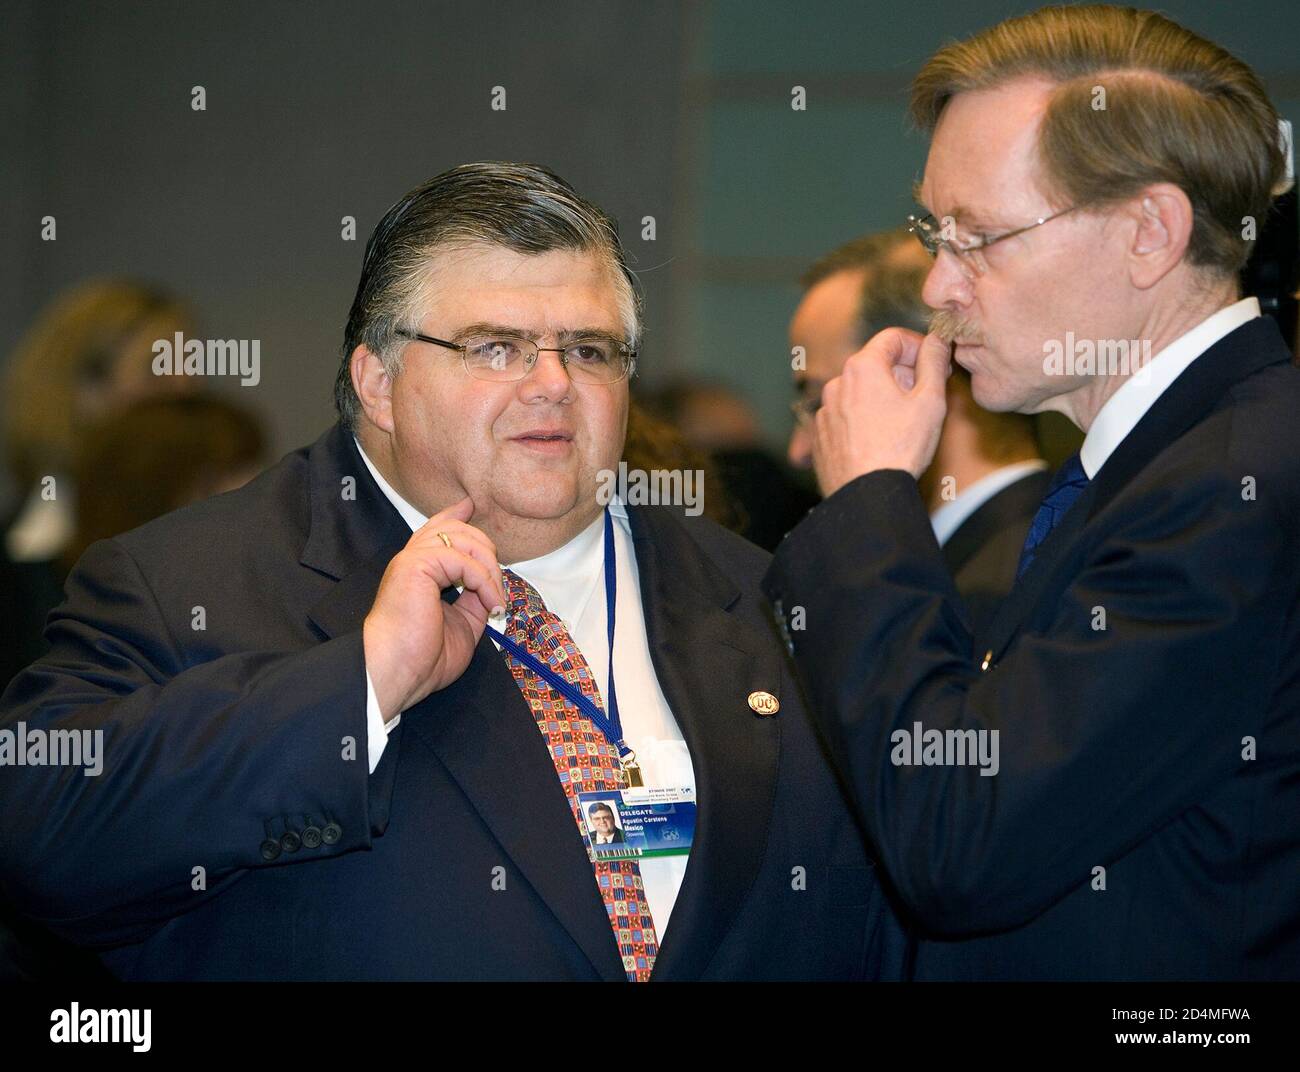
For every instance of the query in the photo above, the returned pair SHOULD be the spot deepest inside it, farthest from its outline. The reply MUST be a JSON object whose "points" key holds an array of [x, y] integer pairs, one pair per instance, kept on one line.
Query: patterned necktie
{"points": [[584, 759], [1066, 487]]}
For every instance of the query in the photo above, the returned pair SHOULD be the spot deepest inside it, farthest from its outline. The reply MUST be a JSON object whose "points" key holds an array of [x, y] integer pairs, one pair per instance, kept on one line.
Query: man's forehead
{"points": [[553, 291], [983, 161]]}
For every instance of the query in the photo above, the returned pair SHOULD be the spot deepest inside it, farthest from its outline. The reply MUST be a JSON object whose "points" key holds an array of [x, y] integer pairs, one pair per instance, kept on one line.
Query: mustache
{"points": [[952, 328]]}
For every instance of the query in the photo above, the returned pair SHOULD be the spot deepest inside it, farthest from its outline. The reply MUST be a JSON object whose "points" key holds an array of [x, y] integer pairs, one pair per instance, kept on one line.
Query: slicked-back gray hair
{"points": [[523, 207]]}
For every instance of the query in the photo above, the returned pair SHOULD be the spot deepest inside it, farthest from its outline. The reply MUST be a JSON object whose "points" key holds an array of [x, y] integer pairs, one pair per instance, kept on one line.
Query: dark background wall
{"points": [[320, 110]]}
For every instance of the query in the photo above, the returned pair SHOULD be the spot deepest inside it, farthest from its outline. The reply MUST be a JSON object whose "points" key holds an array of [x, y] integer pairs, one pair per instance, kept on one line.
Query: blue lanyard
{"points": [[608, 725]]}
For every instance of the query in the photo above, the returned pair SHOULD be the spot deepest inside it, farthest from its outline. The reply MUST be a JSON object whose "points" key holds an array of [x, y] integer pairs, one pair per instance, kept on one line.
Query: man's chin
{"points": [[993, 395], [538, 498]]}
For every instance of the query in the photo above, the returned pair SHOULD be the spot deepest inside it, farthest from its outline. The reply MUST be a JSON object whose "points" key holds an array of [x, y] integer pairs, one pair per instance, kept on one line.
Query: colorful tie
{"points": [[1066, 486], [585, 761]]}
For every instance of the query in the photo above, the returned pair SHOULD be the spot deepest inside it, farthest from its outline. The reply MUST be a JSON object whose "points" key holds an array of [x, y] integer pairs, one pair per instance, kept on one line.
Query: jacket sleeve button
{"points": [[331, 833], [270, 849], [290, 841]]}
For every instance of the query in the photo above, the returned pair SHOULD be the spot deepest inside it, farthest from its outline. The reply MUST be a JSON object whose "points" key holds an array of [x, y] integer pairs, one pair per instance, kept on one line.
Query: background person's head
{"points": [[867, 284], [159, 454], [850, 294], [87, 355], [1152, 143], [490, 250]]}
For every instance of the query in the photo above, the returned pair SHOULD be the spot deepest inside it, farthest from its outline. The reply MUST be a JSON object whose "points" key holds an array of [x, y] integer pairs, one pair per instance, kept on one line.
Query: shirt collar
{"points": [[949, 517], [1136, 395]]}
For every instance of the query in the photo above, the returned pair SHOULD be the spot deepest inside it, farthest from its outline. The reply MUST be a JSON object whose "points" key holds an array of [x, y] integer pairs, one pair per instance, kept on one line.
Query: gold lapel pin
{"points": [[764, 703], [988, 658]]}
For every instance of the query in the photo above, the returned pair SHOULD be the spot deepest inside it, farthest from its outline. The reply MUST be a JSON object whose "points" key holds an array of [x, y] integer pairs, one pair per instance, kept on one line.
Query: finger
{"points": [[905, 345], [457, 511], [933, 363], [461, 569], [475, 543], [470, 605]]}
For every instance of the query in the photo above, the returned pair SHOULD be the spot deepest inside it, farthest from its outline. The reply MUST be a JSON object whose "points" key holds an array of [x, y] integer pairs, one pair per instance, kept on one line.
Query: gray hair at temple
{"points": [[523, 207]]}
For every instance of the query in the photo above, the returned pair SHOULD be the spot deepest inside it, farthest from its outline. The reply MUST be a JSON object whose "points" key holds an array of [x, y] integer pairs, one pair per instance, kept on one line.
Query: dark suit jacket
{"points": [[240, 750], [982, 555], [1160, 744]]}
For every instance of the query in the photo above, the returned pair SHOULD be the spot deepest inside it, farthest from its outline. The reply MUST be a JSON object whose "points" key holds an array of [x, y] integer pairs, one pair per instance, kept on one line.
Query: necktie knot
{"points": [[523, 597]]}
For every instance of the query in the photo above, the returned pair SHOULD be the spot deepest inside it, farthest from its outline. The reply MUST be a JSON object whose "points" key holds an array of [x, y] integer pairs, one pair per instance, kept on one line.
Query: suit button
{"points": [[290, 841], [270, 849], [331, 833], [311, 837]]}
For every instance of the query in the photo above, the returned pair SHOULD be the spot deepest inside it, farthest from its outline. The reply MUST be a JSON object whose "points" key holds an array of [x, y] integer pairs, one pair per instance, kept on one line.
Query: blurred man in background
{"points": [[987, 478], [765, 499]]}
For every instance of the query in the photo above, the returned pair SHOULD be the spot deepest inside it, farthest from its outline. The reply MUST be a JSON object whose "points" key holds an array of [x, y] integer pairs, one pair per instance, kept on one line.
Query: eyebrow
{"points": [[972, 217], [564, 336]]}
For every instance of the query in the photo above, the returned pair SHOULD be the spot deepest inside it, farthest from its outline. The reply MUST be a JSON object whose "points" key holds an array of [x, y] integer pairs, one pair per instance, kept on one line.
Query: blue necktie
{"points": [[1066, 486]]}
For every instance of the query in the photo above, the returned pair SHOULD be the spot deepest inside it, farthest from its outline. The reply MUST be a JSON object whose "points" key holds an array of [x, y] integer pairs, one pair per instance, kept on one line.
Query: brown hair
{"points": [[74, 341], [156, 455], [1177, 109], [653, 443]]}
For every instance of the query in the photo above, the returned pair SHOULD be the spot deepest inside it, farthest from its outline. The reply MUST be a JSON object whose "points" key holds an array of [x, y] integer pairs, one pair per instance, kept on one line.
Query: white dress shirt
{"points": [[570, 581], [44, 527], [949, 517], [1130, 402]]}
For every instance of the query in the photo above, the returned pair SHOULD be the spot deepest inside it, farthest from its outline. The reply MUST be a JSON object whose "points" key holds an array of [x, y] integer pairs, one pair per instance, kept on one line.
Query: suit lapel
{"points": [[484, 734], [479, 727], [1014, 503], [1239, 354], [707, 662]]}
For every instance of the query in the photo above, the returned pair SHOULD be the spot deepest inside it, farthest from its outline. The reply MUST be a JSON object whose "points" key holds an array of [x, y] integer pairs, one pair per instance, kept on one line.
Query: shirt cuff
{"points": [[377, 730]]}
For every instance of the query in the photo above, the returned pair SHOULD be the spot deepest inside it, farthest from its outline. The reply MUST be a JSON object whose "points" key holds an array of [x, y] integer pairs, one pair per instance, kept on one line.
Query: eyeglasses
{"points": [[968, 253], [505, 358]]}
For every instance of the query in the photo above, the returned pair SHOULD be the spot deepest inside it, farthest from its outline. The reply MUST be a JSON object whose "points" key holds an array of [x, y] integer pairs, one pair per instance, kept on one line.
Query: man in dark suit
{"points": [[1110, 788], [318, 764], [986, 479]]}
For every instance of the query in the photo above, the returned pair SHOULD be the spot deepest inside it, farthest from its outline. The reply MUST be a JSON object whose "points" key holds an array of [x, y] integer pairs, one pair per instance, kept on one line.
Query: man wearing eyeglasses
{"points": [[1105, 783], [986, 478], [355, 713]]}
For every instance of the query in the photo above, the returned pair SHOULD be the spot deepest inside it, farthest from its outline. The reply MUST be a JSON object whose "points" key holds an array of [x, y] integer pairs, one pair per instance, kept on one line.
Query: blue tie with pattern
{"points": [[1066, 486]]}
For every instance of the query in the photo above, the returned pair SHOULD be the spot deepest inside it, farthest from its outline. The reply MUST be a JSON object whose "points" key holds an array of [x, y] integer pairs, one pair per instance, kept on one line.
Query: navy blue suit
{"points": [[1144, 679], [228, 751]]}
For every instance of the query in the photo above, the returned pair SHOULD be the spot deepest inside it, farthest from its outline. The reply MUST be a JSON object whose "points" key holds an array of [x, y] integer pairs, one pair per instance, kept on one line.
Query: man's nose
{"points": [[947, 284], [547, 378]]}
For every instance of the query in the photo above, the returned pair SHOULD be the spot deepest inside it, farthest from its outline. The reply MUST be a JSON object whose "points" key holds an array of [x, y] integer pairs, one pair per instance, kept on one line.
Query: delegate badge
{"points": [[636, 823]]}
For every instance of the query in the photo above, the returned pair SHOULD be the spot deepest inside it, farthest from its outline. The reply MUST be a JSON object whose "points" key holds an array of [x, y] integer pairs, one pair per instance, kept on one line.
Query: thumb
{"points": [[460, 511], [933, 363]]}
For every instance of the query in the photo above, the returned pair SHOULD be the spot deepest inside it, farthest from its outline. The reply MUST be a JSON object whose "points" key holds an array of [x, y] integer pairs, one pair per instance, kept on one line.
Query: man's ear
{"points": [[374, 387], [1162, 227]]}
